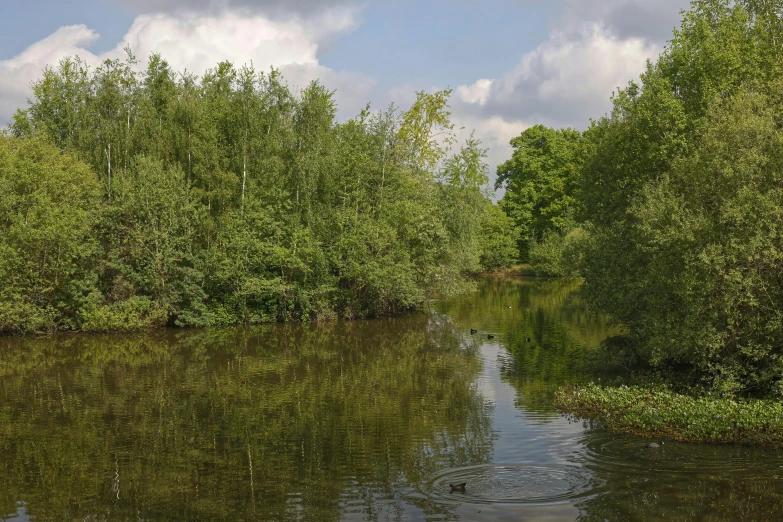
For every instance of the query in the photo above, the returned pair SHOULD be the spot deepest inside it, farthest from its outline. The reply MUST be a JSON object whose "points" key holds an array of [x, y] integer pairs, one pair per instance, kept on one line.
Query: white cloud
{"points": [[652, 21], [475, 93], [198, 42], [564, 82], [19, 72], [270, 7], [495, 132], [593, 48]]}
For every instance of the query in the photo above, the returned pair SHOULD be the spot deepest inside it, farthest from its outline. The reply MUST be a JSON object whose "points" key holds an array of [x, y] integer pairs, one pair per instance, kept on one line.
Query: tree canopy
{"points": [[541, 181], [227, 198], [679, 189]]}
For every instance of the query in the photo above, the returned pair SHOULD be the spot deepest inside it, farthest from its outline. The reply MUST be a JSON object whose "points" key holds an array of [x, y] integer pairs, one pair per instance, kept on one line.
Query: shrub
{"points": [[498, 239], [559, 254], [48, 203]]}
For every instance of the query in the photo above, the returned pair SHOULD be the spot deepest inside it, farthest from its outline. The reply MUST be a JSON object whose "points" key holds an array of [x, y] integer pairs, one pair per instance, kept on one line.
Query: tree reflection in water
{"points": [[349, 421], [307, 422]]}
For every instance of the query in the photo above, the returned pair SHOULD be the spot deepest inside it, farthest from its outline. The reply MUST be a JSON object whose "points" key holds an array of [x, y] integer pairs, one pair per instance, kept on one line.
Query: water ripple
{"points": [[511, 484], [630, 454]]}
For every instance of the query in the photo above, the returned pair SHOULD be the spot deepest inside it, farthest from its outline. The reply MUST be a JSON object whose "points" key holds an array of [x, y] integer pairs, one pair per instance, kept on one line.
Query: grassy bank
{"points": [[659, 412]]}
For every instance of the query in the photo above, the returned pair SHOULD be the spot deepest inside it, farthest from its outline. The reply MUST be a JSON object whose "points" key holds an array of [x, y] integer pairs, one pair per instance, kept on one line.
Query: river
{"points": [[362, 420]]}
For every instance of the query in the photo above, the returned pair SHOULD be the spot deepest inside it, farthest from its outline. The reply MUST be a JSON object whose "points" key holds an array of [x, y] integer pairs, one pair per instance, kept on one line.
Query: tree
{"points": [[427, 129], [49, 208], [230, 199], [541, 181], [680, 186], [498, 237]]}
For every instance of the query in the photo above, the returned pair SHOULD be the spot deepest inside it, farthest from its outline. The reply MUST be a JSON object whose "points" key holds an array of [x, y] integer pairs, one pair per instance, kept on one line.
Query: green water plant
{"points": [[660, 412]]}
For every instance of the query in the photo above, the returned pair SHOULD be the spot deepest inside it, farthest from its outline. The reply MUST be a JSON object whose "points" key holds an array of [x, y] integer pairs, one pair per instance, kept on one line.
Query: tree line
{"points": [[130, 200], [670, 206]]}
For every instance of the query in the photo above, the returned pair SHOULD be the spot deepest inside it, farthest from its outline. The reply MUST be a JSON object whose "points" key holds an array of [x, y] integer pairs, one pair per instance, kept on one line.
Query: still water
{"points": [[367, 420]]}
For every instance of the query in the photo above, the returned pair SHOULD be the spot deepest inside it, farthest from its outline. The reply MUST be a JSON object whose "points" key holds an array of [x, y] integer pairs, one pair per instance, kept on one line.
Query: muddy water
{"points": [[368, 420]]}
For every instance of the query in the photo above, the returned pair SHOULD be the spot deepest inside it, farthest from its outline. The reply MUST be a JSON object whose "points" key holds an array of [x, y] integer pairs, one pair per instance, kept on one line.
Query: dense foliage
{"points": [[136, 199], [498, 238], [683, 191], [541, 181], [559, 253], [679, 191]]}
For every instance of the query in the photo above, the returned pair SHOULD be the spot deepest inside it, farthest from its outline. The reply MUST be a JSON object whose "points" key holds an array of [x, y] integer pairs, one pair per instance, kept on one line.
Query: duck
{"points": [[527, 339], [509, 308], [490, 336], [472, 331], [654, 444], [458, 487]]}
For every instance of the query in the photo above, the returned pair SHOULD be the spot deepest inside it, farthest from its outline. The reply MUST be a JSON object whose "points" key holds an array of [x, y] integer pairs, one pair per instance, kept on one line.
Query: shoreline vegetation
{"points": [[522, 270], [658, 412], [670, 207], [132, 200]]}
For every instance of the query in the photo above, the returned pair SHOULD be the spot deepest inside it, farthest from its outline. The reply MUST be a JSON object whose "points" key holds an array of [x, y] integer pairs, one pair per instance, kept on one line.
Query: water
{"points": [[368, 420]]}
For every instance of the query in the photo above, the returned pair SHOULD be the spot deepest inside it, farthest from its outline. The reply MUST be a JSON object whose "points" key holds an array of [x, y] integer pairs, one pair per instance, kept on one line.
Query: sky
{"points": [[511, 63]]}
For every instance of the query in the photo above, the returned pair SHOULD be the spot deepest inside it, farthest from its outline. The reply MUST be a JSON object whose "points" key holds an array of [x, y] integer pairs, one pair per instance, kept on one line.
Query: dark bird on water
{"points": [[527, 339], [472, 331], [654, 444], [458, 487], [490, 336]]}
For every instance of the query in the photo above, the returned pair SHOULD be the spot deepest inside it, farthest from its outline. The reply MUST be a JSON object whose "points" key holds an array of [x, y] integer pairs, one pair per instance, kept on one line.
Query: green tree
{"points": [[49, 208], [427, 129], [541, 181], [152, 267], [680, 186], [229, 199], [498, 238]]}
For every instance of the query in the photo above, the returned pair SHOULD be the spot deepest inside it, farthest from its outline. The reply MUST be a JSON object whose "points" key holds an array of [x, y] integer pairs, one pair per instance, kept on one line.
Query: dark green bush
{"points": [[49, 207], [559, 253]]}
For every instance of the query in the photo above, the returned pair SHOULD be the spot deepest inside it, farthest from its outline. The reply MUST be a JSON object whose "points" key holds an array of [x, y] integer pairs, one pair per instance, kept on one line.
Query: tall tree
{"points": [[541, 181]]}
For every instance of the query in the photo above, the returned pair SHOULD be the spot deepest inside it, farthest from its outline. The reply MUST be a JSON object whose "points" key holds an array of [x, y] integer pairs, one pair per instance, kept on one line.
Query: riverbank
{"points": [[660, 413], [510, 271]]}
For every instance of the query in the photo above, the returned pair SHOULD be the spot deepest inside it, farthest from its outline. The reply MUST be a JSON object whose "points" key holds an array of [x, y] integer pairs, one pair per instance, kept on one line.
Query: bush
{"points": [[559, 254], [700, 286], [683, 187], [498, 239], [48, 203], [136, 313]]}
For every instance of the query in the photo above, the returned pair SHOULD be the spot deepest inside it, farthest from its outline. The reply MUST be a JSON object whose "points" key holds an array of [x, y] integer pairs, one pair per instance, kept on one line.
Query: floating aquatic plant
{"points": [[659, 412]]}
